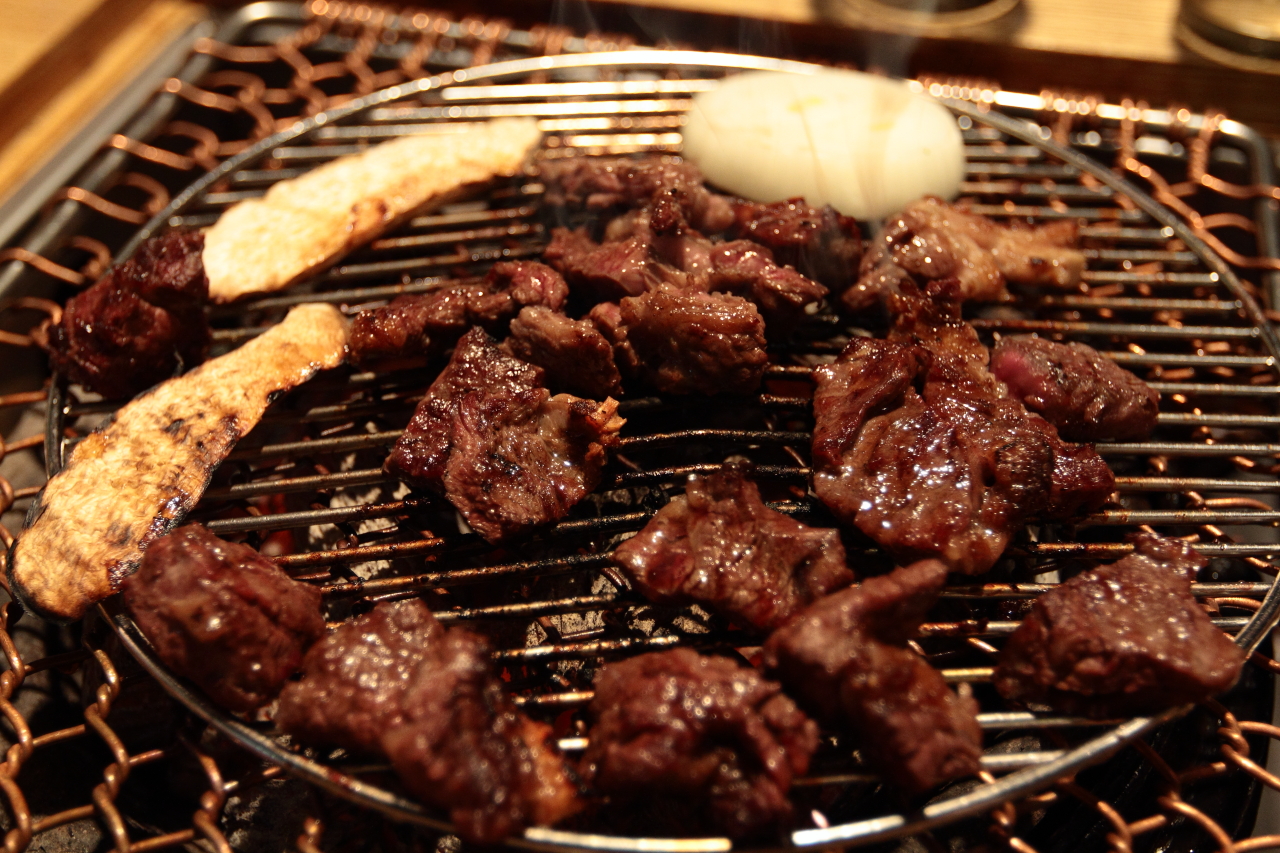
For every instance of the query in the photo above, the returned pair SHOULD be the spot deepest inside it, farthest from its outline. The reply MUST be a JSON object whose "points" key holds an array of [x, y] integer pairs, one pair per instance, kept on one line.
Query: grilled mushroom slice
{"points": [[134, 479]]}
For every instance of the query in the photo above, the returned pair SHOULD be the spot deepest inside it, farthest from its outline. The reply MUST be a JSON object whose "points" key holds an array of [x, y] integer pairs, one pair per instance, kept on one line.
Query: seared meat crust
{"points": [[223, 615]]}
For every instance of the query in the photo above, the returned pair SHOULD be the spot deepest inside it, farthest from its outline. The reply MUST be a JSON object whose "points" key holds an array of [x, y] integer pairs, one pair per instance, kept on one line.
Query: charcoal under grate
{"points": [[307, 487]]}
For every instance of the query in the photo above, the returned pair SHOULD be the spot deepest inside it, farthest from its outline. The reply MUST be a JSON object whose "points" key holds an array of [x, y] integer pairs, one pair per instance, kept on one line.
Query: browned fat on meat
{"points": [[135, 478], [307, 223]]}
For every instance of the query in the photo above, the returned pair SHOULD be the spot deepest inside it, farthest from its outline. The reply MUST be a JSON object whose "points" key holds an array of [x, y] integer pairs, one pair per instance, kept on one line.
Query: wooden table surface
{"points": [[60, 58]]}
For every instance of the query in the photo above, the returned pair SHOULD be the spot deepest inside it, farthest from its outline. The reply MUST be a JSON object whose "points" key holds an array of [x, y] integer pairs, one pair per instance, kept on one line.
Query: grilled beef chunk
{"points": [[1123, 639], [748, 269], [923, 449], [655, 245], [139, 324], [821, 244], [354, 680], [576, 357], [689, 342], [602, 184], [846, 660], [931, 240], [466, 747], [493, 440], [223, 615], [602, 272], [719, 545], [430, 323], [1086, 395], [681, 725]]}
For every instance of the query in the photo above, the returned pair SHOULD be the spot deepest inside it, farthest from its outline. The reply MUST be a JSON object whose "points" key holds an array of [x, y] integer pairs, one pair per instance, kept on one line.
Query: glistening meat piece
{"points": [[924, 450], [135, 478], [493, 440], [1123, 639], [847, 661], [139, 324], [655, 245], [820, 243], [576, 357], [466, 747], [430, 323], [305, 224], [604, 183], [1086, 395], [689, 342], [719, 545], [678, 724], [223, 615], [354, 681], [932, 240], [748, 269]]}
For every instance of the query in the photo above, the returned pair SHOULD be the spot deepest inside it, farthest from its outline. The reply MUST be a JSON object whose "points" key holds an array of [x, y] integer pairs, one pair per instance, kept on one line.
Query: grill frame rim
{"points": [[886, 827]]}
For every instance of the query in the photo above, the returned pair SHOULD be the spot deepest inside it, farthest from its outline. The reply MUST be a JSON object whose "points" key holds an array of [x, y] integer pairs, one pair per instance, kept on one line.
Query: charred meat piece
{"points": [[931, 240], [679, 724], [689, 342], [1123, 639], [137, 476], [576, 357], [605, 183], [747, 269], [821, 244], [719, 545], [354, 680], [655, 245], [466, 747], [223, 615], [430, 323], [847, 661], [139, 324], [1086, 395], [922, 448], [602, 271], [493, 440]]}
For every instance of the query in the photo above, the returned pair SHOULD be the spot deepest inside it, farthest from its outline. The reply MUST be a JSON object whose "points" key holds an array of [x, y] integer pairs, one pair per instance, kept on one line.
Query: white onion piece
{"points": [[864, 144]]}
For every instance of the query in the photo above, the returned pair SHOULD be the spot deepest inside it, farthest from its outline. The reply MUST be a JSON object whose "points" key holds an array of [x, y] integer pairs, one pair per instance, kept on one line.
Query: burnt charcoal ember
{"points": [[1123, 639], [354, 681], [678, 724], [931, 240], [922, 448], [493, 440], [468, 749], [721, 546], [847, 662], [223, 615], [139, 324], [687, 342], [820, 243], [428, 324], [747, 269], [576, 357], [1084, 394], [605, 183]]}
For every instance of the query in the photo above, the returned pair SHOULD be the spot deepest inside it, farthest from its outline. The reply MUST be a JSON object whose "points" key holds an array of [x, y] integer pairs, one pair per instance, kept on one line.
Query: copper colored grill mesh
{"points": [[1191, 341]]}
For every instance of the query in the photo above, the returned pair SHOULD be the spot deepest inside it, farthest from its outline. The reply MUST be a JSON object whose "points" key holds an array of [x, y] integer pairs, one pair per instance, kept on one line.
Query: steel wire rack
{"points": [[308, 487]]}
